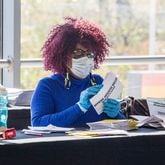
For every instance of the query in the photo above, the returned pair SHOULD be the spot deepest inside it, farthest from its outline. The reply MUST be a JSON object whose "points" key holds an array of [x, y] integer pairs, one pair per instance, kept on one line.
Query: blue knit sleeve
{"points": [[42, 109]]}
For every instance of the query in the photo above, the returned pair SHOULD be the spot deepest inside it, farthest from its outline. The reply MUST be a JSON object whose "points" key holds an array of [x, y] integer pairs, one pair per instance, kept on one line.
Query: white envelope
{"points": [[112, 89]]}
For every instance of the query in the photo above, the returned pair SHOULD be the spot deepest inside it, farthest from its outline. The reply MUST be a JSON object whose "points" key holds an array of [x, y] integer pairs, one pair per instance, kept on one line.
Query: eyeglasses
{"points": [[79, 53]]}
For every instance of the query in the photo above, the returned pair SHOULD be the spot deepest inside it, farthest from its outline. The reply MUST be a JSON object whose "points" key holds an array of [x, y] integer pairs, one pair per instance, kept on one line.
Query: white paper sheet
{"points": [[99, 132], [112, 89], [50, 128], [156, 107], [112, 124]]}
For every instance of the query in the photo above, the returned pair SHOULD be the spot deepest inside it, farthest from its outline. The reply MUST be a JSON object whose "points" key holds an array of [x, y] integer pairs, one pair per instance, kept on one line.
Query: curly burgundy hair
{"points": [[62, 40]]}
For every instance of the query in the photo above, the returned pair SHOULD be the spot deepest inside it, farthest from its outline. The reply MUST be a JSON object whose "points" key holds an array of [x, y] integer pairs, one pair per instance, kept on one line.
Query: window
{"points": [[10, 75], [1, 37], [135, 29]]}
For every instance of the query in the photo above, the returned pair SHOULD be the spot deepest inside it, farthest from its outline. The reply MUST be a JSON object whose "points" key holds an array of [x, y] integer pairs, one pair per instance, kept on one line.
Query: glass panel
{"points": [[126, 24], [137, 80], [160, 32], [1, 25], [31, 76]]}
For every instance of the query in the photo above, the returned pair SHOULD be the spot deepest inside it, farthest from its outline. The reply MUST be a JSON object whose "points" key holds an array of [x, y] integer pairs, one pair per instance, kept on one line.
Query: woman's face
{"points": [[79, 52], [81, 55]]}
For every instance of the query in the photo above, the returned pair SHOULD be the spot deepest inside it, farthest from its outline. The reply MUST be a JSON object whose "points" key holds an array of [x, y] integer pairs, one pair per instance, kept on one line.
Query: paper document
{"points": [[50, 128], [149, 121], [19, 97], [156, 107], [39, 131], [138, 117], [114, 124], [34, 132], [99, 132], [112, 88]]}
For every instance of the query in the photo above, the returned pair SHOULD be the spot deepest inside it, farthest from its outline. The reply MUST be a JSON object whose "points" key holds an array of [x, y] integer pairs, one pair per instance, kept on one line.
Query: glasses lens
{"points": [[80, 53], [90, 55]]}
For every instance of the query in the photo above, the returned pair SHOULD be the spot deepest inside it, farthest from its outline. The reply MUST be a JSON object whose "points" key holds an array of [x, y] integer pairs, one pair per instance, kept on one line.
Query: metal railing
{"points": [[120, 60]]}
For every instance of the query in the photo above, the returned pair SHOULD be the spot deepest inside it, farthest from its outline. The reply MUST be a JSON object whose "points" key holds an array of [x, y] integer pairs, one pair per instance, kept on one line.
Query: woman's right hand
{"points": [[85, 96]]}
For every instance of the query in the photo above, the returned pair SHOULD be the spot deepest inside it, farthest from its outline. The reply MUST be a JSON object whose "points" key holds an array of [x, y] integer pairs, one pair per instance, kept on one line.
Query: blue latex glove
{"points": [[85, 96], [111, 107]]}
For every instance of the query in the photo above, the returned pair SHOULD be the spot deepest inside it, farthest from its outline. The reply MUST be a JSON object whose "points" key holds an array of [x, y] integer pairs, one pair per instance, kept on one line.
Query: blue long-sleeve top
{"points": [[53, 103]]}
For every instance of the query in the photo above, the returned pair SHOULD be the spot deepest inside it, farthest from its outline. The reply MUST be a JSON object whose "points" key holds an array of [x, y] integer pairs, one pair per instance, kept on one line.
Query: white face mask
{"points": [[81, 67]]}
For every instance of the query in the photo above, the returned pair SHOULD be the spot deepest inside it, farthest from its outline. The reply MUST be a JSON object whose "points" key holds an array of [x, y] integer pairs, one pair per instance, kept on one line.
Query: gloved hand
{"points": [[111, 107], [86, 95]]}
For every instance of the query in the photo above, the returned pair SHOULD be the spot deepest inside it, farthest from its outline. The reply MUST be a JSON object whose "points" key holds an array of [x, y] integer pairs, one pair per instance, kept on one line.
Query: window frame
{"points": [[10, 19]]}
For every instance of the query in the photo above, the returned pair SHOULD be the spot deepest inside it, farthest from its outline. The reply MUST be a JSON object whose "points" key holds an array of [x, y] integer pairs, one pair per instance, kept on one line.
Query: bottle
{"points": [[3, 106]]}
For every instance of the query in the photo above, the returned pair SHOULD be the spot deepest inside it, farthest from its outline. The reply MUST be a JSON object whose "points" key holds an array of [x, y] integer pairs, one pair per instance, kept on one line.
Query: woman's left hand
{"points": [[111, 107]]}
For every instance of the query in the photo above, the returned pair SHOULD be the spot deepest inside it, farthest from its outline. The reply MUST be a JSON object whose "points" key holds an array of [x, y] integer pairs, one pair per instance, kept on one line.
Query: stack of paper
{"points": [[157, 114], [13, 94], [99, 132], [114, 124], [149, 121], [45, 130], [19, 97]]}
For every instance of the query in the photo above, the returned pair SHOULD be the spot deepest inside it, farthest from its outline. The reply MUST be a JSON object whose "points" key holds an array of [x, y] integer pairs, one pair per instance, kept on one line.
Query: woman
{"points": [[71, 51]]}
